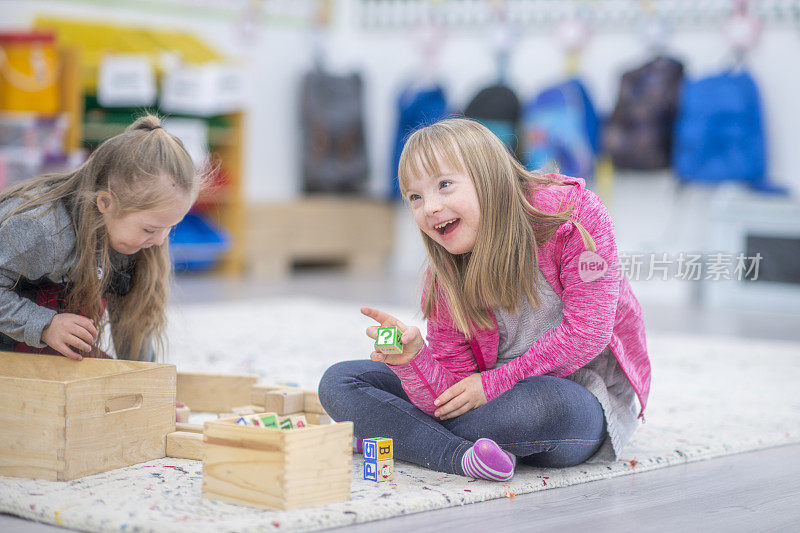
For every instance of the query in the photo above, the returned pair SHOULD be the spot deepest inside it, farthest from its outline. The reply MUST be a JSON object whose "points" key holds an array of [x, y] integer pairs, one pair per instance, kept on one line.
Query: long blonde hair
{"points": [[142, 169], [501, 267]]}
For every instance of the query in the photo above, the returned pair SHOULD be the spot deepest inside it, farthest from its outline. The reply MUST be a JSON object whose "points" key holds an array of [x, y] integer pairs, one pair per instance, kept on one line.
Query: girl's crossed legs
{"points": [[543, 420]]}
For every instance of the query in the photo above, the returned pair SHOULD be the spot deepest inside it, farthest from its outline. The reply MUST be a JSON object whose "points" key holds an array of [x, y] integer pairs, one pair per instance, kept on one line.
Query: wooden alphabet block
{"points": [[258, 391], [284, 401], [380, 470], [292, 422], [247, 410], [388, 340], [182, 414], [269, 420], [214, 393], [370, 470], [191, 428], [318, 419], [311, 403], [385, 469], [242, 410], [185, 445], [378, 448], [253, 420]]}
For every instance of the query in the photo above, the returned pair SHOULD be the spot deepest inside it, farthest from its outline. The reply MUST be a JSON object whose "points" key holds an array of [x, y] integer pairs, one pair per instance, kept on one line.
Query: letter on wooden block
{"points": [[378, 448], [269, 420], [370, 447], [370, 470], [385, 450]]}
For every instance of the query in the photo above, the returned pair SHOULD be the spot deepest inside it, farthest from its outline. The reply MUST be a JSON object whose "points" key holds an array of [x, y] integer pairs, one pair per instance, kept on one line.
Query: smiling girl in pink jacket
{"points": [[535, 347]]}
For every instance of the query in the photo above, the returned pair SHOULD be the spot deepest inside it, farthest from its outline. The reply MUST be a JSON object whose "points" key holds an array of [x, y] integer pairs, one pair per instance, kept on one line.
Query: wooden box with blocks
{"points": [[62, 419], [274, 468]]}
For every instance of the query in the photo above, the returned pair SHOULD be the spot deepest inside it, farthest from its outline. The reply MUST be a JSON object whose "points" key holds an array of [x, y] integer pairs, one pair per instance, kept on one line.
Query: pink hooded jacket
{"points": [[597, 313]]}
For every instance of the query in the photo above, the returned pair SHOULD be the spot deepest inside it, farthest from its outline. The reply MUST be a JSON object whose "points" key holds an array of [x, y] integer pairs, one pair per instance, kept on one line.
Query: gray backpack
{"points": [[334, 151]]}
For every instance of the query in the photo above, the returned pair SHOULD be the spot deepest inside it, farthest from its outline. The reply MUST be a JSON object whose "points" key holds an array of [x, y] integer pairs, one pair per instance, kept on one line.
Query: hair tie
{"points": [[156, 128]]}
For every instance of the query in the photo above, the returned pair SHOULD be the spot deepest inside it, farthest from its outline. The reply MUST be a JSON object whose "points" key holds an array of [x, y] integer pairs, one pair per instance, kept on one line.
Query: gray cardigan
{"points": [[37, 245], [602, 376]]}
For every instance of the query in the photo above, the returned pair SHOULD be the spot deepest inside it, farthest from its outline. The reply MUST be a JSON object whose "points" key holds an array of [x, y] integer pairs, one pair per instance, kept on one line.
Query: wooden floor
{"points": [[757, 491]]}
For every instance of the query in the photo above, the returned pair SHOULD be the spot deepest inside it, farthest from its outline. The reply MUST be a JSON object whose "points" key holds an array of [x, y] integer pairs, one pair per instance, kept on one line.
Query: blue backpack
{"points": [[719, 132], [561, 131], [416, 108]]}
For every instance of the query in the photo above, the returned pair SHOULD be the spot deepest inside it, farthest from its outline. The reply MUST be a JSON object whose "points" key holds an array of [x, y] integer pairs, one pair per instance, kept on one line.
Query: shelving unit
{"points": [[224, 204], [89, 125]]}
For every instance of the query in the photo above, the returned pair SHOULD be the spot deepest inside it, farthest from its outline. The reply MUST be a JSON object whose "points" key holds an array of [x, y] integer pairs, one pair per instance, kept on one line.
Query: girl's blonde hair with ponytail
{"points": [[143, 169], [502, 266]]}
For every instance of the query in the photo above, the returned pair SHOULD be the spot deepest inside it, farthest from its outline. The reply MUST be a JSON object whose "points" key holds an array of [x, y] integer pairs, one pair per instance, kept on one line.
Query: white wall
{"points": [[282, 52]]}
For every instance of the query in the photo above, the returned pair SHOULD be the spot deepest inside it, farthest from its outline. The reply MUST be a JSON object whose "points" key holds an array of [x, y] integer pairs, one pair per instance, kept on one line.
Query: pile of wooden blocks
{"points": [[273, 421], [237, 396]]}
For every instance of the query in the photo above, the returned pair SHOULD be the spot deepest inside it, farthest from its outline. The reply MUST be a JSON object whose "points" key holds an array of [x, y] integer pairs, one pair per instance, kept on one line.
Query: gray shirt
{"points": [[602, 376], [37, 245]]}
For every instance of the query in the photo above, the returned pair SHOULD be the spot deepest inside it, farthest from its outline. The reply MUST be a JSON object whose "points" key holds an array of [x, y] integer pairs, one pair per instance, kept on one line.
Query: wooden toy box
{"points": [[62, 419], [277, 469]]}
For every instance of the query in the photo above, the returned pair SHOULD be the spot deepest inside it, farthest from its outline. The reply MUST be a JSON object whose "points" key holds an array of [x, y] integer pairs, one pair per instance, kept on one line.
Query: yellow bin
{"points": [[28, 72]]}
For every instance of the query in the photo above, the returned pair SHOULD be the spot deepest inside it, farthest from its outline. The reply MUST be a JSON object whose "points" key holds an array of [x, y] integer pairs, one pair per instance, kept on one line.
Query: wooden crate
{"points": [[62, 419], [275, 468]]}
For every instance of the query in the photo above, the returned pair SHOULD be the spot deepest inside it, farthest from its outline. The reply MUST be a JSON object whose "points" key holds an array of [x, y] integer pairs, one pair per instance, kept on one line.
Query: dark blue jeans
{"points": [[543, 420]]}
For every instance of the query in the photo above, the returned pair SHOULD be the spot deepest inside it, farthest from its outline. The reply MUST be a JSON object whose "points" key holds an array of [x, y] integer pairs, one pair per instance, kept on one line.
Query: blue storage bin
{"points": [[197, 244]]}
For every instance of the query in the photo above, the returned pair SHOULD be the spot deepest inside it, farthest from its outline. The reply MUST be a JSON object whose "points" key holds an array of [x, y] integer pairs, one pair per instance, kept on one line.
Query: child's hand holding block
{"points": [[388, 340]]}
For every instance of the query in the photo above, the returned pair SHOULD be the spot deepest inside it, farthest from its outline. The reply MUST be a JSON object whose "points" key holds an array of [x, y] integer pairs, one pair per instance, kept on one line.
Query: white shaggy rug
{"points": [[710, 397]]}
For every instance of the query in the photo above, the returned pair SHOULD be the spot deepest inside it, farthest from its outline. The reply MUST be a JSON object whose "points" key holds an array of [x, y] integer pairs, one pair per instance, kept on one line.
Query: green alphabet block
{"points": [[388, 340]]}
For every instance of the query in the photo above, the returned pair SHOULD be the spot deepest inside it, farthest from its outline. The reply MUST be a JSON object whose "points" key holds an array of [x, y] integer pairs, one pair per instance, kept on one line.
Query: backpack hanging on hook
{"points": [[638, 134], [334, 150], [561, 131]]}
